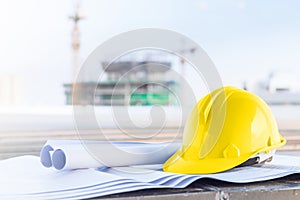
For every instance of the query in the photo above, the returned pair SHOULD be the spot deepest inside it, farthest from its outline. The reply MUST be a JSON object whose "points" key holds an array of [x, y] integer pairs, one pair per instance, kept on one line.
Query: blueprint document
{"points": [[26, 178]]}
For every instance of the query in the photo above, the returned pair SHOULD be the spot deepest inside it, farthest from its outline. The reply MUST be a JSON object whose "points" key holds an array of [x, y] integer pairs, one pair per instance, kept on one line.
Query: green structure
{"points": [[127, 83]]}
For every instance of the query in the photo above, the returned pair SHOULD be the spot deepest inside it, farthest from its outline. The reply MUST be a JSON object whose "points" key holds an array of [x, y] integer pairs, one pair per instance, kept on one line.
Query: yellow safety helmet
{"points": [[224, 130]]}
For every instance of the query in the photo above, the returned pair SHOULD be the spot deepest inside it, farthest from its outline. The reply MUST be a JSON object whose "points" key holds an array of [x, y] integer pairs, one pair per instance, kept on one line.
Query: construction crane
{"points": [[76, 18]]}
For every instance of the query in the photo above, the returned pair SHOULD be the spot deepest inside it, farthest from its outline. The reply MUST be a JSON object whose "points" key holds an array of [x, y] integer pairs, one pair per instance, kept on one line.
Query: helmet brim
{"points": [[178, 164]]}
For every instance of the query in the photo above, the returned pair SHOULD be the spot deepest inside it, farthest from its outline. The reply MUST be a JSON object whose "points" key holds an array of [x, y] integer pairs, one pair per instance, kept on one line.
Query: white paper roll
{"points": [[75, 154]]}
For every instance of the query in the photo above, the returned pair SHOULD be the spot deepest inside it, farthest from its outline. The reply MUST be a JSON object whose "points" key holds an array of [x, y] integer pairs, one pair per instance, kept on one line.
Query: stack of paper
{"points": [[26, 178]]}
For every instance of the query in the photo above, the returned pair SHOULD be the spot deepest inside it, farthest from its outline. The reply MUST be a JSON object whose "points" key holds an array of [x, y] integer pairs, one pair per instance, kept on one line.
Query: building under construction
{"points": [[127, 82]]}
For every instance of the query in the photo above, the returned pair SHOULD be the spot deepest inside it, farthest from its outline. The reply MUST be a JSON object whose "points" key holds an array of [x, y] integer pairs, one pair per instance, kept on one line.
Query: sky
{"points": [[246, 39]]}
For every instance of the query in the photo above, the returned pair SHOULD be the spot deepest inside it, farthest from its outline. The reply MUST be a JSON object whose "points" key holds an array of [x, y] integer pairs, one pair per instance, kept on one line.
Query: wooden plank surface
{"points": [[30, 142]]}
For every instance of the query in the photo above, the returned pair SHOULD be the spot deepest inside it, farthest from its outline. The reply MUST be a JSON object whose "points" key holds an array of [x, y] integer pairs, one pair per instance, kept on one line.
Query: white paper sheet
{"points": [[25, 178]]}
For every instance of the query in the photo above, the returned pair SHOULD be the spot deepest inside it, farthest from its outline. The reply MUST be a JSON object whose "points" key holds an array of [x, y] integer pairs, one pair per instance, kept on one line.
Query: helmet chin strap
{"points": [[265, 157], [259, 158]]}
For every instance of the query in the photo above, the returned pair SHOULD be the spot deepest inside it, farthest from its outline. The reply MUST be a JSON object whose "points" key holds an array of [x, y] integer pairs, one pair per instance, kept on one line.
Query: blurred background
{"points": [[254, 45]]}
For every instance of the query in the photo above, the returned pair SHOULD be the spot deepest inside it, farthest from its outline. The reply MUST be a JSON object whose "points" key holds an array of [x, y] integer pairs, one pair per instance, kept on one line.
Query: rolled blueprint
{"points": [[75, 154]]}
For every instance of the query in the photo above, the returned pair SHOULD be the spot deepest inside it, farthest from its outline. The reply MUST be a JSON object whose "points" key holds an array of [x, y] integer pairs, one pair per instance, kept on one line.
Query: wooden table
{"points": [[24, 143]]}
